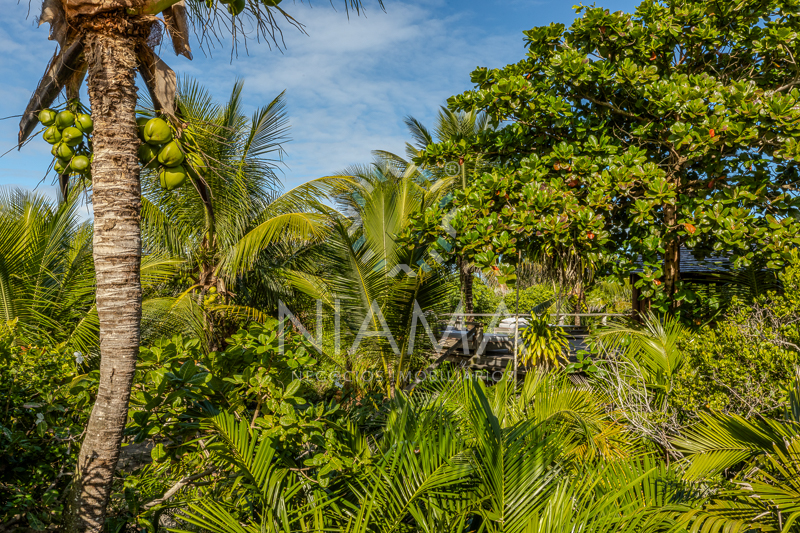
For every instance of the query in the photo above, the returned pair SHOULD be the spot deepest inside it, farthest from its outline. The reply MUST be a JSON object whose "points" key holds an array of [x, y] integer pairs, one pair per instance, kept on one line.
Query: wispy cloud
{"points": [[349, 82]]}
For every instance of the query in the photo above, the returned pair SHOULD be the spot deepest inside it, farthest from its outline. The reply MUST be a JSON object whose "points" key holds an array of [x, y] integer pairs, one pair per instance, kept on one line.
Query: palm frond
{"points": [[720, 441]]}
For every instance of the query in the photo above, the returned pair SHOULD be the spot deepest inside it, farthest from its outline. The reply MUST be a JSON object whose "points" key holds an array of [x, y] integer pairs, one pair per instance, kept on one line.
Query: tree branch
{"points": [[178, 486], [610, 106], [787, 86]]}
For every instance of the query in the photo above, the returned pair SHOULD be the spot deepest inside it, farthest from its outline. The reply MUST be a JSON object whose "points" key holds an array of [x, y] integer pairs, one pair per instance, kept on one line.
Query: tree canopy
{"points": [[628, 135]]}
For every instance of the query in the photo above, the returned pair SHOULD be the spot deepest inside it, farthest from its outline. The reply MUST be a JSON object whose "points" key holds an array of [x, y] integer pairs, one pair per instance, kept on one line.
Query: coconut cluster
{"points": [[69, 132], [161, 150]]}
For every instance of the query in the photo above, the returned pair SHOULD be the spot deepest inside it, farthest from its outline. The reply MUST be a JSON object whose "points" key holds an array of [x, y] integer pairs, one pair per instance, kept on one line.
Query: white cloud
{"points": [[349, 82]]}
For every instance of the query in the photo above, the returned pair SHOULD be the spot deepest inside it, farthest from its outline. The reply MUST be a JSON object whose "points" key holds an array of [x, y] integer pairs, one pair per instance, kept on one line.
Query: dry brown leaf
{"points": [[178, 27], [53, 13], [74, 82], [61, 67], [93, 7], [160, 80]]}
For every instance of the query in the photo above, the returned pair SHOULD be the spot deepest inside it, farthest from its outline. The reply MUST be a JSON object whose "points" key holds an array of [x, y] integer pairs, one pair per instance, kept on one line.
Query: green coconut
{"points": [[61, 167], [141, 122], [156, 131], [65, 151], [54, 150], [236, 7], [52, 135], [65, 119], [84, 123], [196, 163], [172, 177], [171, 155], [79, 163], [189, 136], [72, 136], [148, 155], [47, 117]]}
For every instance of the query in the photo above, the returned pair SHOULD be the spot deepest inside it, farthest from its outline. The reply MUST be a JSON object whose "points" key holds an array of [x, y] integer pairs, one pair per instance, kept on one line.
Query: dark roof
{"points": [[689, 263]]}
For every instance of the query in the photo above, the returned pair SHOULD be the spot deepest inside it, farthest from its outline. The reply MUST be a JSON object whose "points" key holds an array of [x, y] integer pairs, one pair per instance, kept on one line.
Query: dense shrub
{"points": [[279, 393], [45, 399], [745, 362], [178, 386], [486, 300], [529, 298]]}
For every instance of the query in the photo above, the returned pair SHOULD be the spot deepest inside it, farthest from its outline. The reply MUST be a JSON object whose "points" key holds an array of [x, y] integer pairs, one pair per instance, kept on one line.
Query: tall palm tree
{"points": [[360, 261], [450, 127], [366, 265], [207, 221], [110, 39], [46, 270]]}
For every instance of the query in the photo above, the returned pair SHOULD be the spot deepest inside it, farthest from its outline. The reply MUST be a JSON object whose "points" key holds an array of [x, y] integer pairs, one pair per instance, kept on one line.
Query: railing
{"points": [[473, 332], [559, 318]]}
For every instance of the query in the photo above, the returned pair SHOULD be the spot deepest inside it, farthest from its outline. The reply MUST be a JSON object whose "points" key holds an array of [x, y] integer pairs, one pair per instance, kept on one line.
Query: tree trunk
{"points": [[63, 186], [116, 200], [580, 303], [465, 272], [672, 255]]}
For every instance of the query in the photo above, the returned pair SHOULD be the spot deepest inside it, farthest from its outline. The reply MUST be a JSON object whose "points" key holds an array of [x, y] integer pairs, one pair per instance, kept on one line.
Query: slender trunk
{"points": [[116, 200], [63, 186], [672, 255], [465, 273], [463, 265], [580, 303], [208, 266], [208, 279]]}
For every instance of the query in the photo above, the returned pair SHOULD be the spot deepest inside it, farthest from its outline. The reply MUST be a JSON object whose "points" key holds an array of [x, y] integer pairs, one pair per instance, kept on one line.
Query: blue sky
{"points": [[349, 83]]}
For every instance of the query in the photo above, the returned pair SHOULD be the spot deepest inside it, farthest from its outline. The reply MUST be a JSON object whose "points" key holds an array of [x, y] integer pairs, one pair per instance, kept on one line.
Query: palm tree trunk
{"points": [[116, 200]]}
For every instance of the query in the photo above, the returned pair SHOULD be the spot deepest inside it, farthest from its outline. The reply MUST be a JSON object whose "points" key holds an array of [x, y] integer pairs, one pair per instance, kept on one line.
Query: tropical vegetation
{"points": [[214, 353]]}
